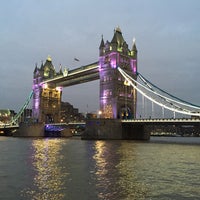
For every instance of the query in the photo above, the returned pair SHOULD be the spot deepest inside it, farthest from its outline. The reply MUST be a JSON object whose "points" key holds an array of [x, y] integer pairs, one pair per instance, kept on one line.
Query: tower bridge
{"points": [[120, 84], [48, 84]]}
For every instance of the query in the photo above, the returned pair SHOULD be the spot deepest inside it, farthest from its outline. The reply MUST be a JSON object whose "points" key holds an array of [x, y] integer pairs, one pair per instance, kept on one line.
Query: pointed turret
{"points": [[42, 65], [36, 68], [114, 39], [102, 46], [102, 43], [134, 45], [48, 68], [134, 48], [60, 71], [118, 38]]}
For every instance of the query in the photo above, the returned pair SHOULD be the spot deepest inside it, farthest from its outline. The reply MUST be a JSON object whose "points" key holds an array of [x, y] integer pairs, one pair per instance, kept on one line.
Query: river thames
{"points": [[72, 169]]}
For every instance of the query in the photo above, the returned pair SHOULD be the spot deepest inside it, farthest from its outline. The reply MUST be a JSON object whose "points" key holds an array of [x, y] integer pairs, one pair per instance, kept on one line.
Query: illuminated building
{"points": [[6, 115], [46, 97], [117, 98]]}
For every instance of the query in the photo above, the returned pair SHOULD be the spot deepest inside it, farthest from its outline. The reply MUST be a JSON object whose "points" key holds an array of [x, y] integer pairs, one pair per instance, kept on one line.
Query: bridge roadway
{"points": [[8, 126], [79, 75], [6, 129], [167, 121], [184, 121]]}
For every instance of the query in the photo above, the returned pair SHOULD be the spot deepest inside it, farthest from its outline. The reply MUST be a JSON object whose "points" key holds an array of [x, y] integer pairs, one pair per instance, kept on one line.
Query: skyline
{"points": [[167, 39]]}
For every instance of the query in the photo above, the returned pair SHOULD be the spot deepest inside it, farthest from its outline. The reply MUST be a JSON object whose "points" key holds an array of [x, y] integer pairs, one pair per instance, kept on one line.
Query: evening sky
{"points": [[167, 36]]}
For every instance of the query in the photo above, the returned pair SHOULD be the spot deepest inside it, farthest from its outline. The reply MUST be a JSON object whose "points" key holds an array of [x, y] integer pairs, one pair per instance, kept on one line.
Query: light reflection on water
{"points": [[131, 187], [70, 169], [115, 173], [48, 172], [106, 173], [165, 168]]}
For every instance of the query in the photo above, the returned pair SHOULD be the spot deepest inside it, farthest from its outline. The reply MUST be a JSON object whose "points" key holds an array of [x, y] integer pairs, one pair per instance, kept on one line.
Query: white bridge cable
{"points": [[176, 108], [167, 99], [18, 115], [178, 100], [164, 98], [176, 105]]}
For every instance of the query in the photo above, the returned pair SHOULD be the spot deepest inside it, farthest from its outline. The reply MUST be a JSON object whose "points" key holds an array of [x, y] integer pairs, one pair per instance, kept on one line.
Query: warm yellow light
{"points": [[59, 89], [127, 83], [45, 86], [49, 58]]}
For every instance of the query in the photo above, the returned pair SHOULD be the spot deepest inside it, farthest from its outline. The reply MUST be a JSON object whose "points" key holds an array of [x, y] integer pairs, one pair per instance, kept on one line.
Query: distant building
{"points": [[26, 116], [6, 115], [70, 114], [91, 115]]}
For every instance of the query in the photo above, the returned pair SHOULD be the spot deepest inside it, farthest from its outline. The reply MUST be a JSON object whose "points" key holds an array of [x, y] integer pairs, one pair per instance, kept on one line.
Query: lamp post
{"points": [[100, 112], [126, 83]]}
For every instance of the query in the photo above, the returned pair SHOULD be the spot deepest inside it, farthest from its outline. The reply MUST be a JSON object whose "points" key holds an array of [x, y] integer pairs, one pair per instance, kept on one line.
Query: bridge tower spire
{"points": [[117, 98], [46, 96]]}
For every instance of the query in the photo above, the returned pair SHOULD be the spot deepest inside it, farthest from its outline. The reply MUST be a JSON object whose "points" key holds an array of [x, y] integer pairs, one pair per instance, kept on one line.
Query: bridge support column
{"points": [[105, 129], [135, 131], [102, 129]]}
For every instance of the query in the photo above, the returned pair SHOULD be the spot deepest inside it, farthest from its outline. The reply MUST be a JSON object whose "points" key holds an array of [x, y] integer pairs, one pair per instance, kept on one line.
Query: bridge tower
{"points": [[46, 97], [117, 99]]}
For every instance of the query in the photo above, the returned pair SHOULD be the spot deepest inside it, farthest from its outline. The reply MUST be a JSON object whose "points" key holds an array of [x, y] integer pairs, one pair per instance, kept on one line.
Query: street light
{"points": [[100, 112], [127, 84]]}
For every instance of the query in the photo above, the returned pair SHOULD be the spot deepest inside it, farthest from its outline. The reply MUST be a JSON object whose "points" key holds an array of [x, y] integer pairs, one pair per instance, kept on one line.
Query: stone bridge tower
{"points": [[46, 97], [117, 99]]}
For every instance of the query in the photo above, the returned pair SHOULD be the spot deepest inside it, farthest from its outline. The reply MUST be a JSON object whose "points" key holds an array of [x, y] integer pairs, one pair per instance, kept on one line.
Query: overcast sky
{"points": [[167, 36]]}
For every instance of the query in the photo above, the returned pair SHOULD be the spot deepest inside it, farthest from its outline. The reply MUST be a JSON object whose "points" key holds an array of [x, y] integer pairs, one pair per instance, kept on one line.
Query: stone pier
{"points": [[113, 129]]}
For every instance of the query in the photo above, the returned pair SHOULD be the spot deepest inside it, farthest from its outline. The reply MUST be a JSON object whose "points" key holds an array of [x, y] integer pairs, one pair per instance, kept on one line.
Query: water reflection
{"points": [[106, 173], [115, 171], [129, 182], [48, 170]]}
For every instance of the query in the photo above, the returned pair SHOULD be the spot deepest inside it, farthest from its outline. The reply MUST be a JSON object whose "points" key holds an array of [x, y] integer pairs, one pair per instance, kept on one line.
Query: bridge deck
{"points": [[79, 75], [162, 121]]}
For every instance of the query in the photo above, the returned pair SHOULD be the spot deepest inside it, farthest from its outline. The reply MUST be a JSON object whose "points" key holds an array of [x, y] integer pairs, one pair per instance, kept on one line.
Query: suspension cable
{"points": [[167, 99], [127, 77], [16, 117], [183, 102]]}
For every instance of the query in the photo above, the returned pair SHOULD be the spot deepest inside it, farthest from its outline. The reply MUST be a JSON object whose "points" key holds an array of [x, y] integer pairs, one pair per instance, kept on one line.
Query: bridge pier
{"points": [[113, 129], [135, 131]]}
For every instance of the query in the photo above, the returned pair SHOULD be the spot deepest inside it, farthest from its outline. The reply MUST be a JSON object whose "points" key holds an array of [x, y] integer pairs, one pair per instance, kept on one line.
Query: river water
{"points": [[73, 169]]}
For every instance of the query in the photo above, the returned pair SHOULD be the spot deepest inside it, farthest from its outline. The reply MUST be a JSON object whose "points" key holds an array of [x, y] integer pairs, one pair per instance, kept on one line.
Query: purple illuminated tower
{"points": [[117, 99], [46, 96]]}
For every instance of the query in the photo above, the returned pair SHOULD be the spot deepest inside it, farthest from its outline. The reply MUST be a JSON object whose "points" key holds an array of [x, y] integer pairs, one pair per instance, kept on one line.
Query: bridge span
{"points": [[8, 129], [76, 76], [183, 121]]}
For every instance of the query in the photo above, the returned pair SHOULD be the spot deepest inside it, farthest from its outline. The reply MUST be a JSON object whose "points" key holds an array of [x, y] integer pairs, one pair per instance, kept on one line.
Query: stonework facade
{"points": [[47, 97], [117, 99]]}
